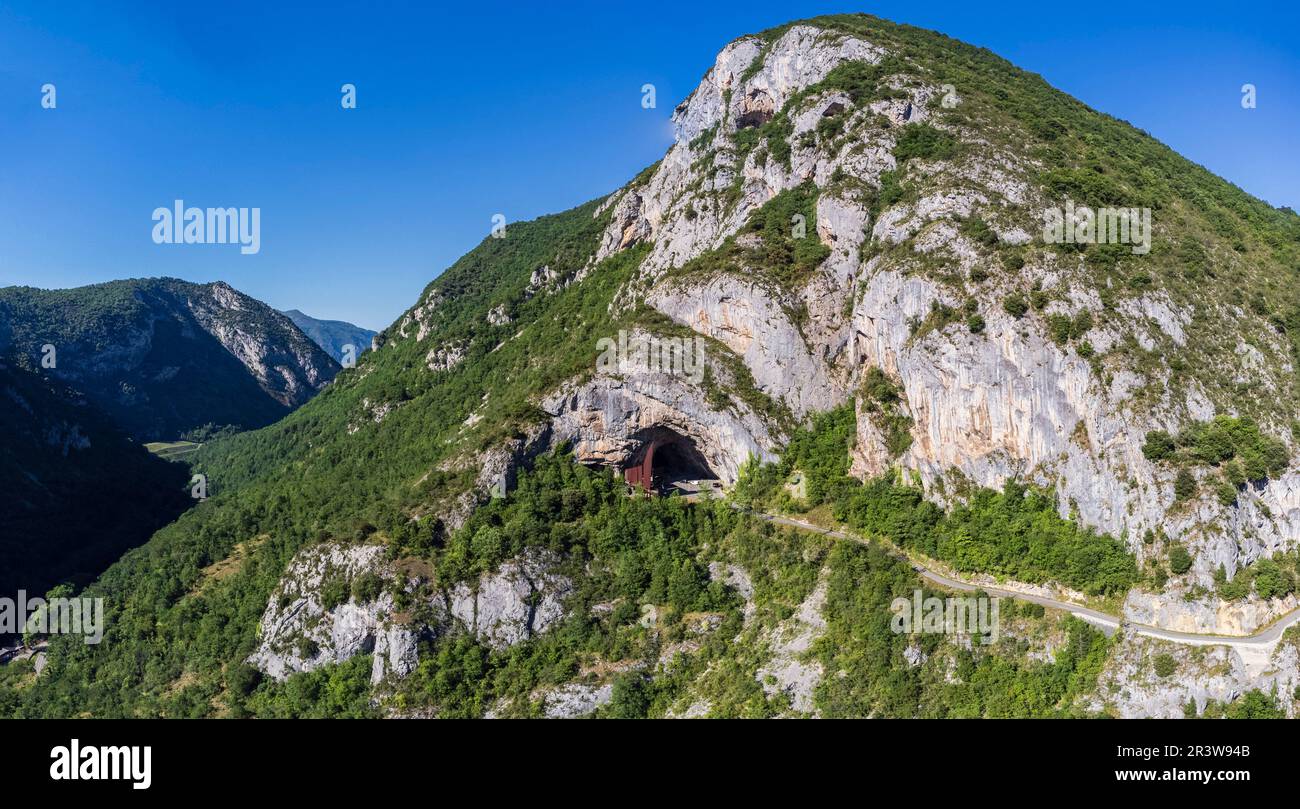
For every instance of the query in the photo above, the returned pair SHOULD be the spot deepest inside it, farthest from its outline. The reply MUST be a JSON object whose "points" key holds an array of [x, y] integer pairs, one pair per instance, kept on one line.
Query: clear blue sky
{"points": [[467, 110]]}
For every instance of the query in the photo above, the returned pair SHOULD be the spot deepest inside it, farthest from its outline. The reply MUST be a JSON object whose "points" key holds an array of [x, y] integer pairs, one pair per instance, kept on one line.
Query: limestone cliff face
{"points": [[1005, 402], [1131, 687], [289, 366], [336, 601]]}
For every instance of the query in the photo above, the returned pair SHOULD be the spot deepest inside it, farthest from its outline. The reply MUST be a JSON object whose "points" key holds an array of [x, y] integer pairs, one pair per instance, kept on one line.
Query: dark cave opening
{"points": [[667, 461]]}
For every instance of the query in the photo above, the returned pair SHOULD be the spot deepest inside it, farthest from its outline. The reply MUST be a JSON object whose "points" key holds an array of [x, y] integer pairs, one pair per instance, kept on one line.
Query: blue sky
{"points": [[516, 108]]}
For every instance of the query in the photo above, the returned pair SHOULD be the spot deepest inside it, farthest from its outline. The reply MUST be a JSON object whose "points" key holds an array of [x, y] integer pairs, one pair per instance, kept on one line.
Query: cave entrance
{"points": [[668, 461]]}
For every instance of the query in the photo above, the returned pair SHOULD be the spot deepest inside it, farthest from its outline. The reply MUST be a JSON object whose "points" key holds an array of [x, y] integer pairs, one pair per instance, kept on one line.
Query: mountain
{"points": [[839, 295], [78, 493], [332, 335], [166, 358]]}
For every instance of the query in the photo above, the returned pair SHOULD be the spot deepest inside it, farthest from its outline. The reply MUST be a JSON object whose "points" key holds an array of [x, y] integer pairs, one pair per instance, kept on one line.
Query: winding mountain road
{"points": [[1263, 640]]}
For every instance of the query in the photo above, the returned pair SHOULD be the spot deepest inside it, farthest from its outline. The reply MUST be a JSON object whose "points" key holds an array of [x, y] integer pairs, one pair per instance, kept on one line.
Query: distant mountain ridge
{"points": [[332, 335], [164, 357]]}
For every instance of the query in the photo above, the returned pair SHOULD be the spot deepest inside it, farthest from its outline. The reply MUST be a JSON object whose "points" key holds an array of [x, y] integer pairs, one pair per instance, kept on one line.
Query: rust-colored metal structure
{"points": [[642, 473]]}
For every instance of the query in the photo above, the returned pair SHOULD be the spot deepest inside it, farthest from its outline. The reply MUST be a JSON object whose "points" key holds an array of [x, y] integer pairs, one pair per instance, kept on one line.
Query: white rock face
{"points": [[576, 700], [444, 358], [788, 671], [1131, 688], [521, 599], [755, 327], [1172, 610], [289, 368], [802, 57], [524, 597], [299, 634], [395, 654]]}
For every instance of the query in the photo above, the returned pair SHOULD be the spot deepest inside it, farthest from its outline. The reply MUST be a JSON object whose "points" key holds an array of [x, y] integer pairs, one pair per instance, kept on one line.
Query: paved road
{"points": [[1264, 638]]}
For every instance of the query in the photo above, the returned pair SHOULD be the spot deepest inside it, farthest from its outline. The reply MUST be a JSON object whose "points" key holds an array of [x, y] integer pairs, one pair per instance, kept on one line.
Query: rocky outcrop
{"points": [[290, 368], [336, 601], [522, 598], [576, 700], [752, 323], [1206, 615], [302, 631], [790, 671], [1130, 686], [732, 96], [445, 357]]}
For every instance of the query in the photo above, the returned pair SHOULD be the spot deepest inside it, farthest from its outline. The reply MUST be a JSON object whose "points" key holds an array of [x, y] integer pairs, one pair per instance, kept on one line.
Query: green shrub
{"points": [[1237, 445], [1015, 304], [630, 699], [979, 231], [367, 587], [1184, 485], [924, 142], [1255, 704], [1271, 581], [877, 387], [1226, 492], [1059, 328], [334, 590], [1180, 561], [1165, 665], [891, 192], [1159, 446]]}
